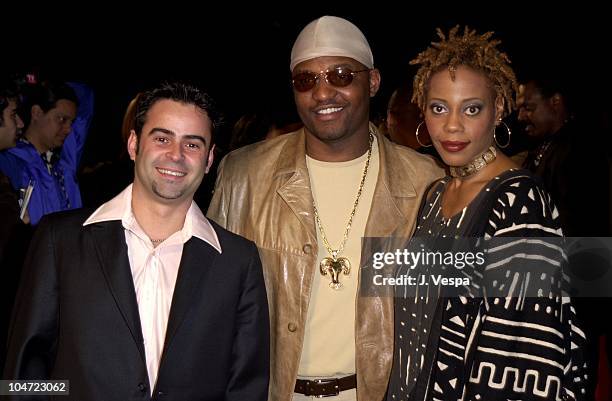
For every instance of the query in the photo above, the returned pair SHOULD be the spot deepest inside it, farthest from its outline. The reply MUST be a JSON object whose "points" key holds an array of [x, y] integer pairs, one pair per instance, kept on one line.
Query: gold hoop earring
{"points": [[417, 136], [495, 135]]}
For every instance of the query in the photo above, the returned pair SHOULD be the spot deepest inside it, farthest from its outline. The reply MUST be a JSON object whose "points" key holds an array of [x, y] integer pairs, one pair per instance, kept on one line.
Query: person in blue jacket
{"points": [[46, 158]]}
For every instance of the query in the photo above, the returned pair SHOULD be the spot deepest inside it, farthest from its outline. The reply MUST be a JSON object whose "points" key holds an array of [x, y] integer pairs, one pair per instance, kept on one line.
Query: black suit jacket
{"points": [[76, 318]]}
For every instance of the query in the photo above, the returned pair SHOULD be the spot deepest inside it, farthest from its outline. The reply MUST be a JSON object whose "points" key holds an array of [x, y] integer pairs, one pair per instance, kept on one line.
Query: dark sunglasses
{"points": [[339, 77]]}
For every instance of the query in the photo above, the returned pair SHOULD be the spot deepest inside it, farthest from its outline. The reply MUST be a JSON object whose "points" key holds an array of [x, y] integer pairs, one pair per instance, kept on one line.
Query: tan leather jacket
{"points": [[263, 193]]}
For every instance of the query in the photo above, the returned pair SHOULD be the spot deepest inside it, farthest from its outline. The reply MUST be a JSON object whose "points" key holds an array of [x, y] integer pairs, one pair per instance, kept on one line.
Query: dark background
{"points": [[242, 55]]}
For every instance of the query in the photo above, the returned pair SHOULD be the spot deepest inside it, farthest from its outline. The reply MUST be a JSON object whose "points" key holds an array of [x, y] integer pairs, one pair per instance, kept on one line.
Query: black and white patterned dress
{"points": [[511, 347]]}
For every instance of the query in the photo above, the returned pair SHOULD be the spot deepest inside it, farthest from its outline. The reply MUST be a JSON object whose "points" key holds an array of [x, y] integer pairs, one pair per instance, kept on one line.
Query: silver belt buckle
{"points": [[326, 381]]}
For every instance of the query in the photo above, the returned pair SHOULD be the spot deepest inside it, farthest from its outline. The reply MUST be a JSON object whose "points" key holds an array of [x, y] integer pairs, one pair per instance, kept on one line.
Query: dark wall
{"points": [[242, 56]]}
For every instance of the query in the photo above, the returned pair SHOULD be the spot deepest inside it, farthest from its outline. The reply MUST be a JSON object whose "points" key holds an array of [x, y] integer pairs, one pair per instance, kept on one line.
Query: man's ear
{"points": [[374, 81], [36, 112], [557, 102], [132, 145], [211, 158]]}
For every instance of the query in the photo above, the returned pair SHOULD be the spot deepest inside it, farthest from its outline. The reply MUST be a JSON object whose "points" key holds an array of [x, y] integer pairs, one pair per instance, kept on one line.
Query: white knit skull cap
{"points": [[331, 36]]}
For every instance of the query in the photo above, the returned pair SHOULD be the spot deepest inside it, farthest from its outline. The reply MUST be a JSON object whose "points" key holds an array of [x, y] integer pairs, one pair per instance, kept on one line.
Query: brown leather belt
{"points": [[325, 387]]}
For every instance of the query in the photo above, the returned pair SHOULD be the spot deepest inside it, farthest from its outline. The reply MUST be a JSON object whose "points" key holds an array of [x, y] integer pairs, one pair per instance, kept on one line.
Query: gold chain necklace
{"points": [[475, 165], [541, 151], [339, 264]]}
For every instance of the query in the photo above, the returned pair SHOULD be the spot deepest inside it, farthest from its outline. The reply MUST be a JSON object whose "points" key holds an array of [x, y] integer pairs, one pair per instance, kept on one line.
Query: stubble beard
{"points": [[328, 133], [166, 194]]}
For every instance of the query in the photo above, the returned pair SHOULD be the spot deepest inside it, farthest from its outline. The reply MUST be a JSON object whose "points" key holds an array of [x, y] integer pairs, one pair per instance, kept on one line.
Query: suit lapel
{"points": [[295, 191], [297, 195], [196, 261], [394, 197], [111, 249]]}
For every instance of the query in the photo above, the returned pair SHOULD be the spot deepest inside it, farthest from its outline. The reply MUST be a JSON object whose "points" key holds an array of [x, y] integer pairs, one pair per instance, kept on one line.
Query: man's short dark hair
{"points": [[550, 80], [8, 92], [183, 92], [45, 95]]}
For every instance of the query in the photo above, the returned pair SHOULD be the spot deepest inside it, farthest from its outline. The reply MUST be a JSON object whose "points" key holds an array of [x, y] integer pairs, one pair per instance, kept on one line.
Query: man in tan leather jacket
{"points": [[306, 199]]}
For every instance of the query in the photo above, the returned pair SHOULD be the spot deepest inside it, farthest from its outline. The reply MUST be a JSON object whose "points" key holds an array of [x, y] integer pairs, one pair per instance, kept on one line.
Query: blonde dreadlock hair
{"points": [[471, 50]]}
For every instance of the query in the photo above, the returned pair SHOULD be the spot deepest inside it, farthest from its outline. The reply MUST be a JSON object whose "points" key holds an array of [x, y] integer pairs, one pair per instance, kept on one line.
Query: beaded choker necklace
{"points": [[475, 165]]}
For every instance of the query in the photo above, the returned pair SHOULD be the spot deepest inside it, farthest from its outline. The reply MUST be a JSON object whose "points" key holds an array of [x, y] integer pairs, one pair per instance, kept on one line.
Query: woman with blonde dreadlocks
{"points": [[508, 332]]}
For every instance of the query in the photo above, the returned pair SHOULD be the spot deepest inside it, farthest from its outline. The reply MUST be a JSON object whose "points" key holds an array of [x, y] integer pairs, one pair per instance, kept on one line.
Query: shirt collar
{"points": [[120, 208]]}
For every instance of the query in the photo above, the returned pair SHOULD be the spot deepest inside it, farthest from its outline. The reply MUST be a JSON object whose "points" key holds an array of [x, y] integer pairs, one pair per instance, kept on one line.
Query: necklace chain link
{"points": [[335, 252]]}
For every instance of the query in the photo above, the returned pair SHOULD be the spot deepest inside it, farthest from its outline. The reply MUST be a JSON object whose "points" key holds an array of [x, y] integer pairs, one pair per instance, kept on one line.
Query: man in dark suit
{"points": [[145, 298]]}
